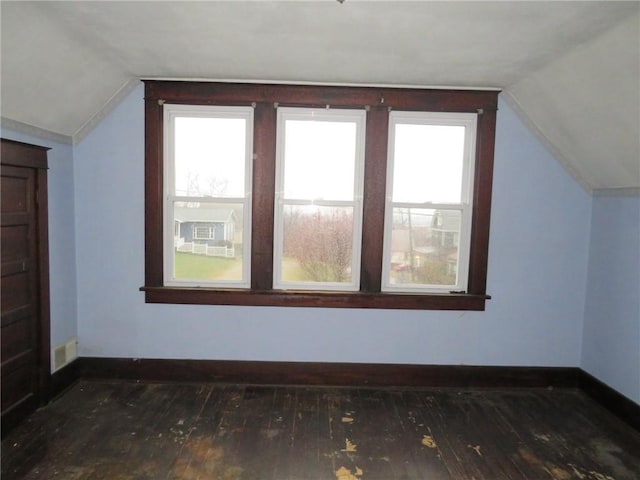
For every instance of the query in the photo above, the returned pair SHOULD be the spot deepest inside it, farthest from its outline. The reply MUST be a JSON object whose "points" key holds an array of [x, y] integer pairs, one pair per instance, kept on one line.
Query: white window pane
{"points": [[208, 241], [319, 160], [210, 156], [424, 247], [317, 244], [428, 163]]}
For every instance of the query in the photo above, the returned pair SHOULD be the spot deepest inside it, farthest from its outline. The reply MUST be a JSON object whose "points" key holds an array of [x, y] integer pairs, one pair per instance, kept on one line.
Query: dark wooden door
{"points": [[24, 281]]}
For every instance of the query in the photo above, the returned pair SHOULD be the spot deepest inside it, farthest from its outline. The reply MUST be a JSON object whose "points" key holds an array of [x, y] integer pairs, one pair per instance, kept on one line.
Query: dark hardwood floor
{"points": [[131, 431]]}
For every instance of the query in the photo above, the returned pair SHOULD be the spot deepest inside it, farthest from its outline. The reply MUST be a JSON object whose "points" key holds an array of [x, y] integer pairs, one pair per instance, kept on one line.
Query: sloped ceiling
{"points": [[572, 69]]}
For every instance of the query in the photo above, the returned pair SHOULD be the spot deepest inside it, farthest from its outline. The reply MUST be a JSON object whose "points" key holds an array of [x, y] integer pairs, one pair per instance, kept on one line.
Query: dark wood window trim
{"points": [[378, 101]]}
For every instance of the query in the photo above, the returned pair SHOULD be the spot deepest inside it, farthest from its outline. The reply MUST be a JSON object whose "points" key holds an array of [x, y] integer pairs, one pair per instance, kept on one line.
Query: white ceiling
{"points": [[571, 69]]}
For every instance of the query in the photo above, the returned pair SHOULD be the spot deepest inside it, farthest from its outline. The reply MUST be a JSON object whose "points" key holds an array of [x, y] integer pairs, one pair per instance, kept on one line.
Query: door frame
{"points": [[19, 154]]}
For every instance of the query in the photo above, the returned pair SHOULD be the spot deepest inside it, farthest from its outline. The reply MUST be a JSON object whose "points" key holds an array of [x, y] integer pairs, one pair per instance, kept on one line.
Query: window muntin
{"points": [[428, 211], [203, 233], [207, 165], [318, 199]]}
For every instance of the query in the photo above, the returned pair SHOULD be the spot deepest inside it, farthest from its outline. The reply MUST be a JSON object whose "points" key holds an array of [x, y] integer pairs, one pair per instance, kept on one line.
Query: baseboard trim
{"points": [[621, 406], [352, 375], [330, 374], [64, 378]]}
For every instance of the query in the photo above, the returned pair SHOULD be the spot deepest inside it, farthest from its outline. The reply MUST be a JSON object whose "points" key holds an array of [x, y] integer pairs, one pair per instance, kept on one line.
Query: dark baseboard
{"points": [[64, 378], [351, 374], [333, 374], [621, 406]]}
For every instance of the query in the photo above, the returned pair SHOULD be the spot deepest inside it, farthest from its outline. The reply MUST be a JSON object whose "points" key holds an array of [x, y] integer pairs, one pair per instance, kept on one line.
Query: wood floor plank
{"points": [[209, 450], [565, 439], [32, 443], [149, 424], [415, 421], [474, 442], [302, 457], [344, 435], [455, 454], [380, 440], [260, 435], [511, 437], [133, 431]]}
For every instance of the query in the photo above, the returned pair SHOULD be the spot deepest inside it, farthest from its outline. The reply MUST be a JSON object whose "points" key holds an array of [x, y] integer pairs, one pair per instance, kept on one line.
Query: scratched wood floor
{"points": [[129, 431]]}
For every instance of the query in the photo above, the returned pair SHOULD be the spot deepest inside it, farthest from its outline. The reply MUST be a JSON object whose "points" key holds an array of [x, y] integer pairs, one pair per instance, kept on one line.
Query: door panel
{"points": [[16, 336], [14, 191], [14, 241], [22, 360], [18, 382], [16, 288]]}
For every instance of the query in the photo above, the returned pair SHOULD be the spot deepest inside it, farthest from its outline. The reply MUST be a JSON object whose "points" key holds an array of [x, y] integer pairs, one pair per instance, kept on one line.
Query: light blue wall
{"points": [[537, 274], [564, 273], [611, 345], [62, 244]]}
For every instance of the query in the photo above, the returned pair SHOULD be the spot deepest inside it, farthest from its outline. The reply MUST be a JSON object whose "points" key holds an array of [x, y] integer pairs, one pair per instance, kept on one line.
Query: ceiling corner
{"points": [[548, 143], [109, 105]]}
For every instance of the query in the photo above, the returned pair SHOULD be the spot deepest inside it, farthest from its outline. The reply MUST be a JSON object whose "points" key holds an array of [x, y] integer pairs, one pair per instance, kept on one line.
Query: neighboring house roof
{"points": [[400, 242], [446, 221], [204, 215]]}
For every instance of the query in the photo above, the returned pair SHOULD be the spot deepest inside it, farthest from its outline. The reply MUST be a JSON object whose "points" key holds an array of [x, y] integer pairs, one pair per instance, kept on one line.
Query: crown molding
{"points": [[33, 131], [110, 104], [548, 144], [617, 192]]}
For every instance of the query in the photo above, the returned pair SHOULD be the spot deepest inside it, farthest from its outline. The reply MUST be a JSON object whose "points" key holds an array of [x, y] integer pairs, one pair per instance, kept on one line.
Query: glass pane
{"points": [[210, 156], [427, 163], [208, 241], [317, 244], [424, 246], [319, 160]]}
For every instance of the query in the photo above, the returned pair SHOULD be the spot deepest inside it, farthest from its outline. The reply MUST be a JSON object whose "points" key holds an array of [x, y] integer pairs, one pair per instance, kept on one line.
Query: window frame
{"points": [[170, 113], [465, 206], [265, 98], [358, 117]]}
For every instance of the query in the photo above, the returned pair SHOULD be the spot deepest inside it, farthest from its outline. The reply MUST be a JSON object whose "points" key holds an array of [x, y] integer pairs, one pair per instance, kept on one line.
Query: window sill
{"points": [[206, 296]]}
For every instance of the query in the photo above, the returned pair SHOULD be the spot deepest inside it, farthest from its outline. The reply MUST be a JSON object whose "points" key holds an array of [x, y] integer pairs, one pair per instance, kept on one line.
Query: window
{"points": [[318, 204], [203, 233], [429, 201], [317, 195], [207, 165]]}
